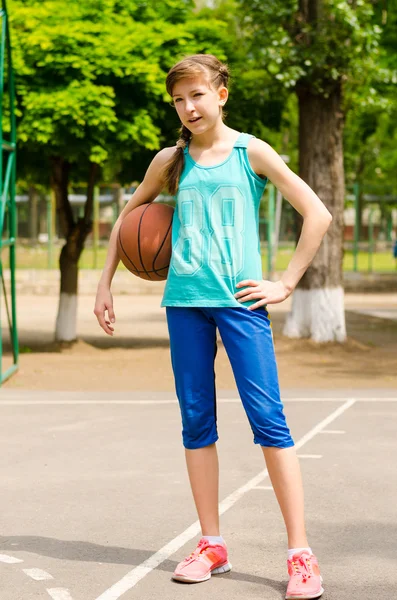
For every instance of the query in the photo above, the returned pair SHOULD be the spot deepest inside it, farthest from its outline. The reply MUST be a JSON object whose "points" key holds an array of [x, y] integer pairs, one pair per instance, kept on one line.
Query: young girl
{"points": [[215, 281]]}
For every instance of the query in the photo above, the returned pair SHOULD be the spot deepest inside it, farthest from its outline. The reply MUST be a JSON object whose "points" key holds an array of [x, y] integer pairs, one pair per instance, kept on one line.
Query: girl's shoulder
{"points": [[259, 152], [165, 154]]}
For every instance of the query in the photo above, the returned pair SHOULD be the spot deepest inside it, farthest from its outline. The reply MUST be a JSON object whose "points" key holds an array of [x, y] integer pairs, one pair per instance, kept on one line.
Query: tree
{"points": [[371, 128], [320, 49], [91, 96]]}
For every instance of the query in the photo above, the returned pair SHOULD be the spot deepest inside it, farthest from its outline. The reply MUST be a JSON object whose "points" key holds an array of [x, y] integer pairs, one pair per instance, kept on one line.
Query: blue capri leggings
{"points": [[248, 341]]}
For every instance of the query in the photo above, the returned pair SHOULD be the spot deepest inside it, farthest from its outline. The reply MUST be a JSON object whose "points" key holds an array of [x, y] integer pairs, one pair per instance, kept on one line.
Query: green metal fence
{"points": [[7, 193]]}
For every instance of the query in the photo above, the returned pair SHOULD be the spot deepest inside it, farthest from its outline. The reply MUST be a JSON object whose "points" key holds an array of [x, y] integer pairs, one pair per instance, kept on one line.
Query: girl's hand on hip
{"points": [[267, 292], [103, 303]]}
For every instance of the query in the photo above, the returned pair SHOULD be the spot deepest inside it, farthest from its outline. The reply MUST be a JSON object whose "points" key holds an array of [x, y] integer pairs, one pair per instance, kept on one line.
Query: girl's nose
{"points": [[189, 106]]}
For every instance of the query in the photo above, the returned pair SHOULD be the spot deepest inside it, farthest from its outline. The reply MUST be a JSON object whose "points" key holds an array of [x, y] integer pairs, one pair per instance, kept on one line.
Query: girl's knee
{"points": [[197, 443]]}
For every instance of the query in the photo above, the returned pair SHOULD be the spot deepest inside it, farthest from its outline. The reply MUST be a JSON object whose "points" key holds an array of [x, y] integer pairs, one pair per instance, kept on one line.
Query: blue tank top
{"points": [[215, 231]]}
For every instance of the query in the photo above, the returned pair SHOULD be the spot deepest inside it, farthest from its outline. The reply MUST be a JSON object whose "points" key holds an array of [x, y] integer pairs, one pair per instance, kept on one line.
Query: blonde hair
{"points": [[191, 66]]}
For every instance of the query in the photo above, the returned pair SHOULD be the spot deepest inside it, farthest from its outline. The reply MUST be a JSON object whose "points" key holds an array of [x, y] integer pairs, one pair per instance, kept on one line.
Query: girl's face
{"points": [[198, 104]]}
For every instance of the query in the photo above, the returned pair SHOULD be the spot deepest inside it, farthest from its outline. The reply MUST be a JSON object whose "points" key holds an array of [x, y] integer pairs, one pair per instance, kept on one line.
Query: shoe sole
{"points": [[226, 568], [316, 595]]}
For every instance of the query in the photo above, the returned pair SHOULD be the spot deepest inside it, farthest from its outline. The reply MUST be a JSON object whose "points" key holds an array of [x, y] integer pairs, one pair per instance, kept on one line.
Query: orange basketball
{"points": [[144, 241]]}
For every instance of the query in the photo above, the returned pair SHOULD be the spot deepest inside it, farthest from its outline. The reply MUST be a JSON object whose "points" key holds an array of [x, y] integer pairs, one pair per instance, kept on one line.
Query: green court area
{"points": [[382, 262], [37, 257]]}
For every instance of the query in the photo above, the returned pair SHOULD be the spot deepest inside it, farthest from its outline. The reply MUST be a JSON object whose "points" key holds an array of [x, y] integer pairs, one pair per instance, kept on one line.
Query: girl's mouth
{"points": [[194, 120]]}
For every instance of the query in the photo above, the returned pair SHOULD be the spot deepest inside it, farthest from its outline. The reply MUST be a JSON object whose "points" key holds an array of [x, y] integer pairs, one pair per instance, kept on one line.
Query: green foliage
{"points": [[91, 76], [371, 126], [347, 43], [339, 44]]}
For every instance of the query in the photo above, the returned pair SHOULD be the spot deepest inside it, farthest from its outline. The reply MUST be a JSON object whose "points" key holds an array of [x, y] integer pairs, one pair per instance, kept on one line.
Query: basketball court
{"points": [[96, 504]]}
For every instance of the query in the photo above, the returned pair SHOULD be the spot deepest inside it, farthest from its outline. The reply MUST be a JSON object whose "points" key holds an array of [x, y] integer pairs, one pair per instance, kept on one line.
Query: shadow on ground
{"points": [[364, 332]]}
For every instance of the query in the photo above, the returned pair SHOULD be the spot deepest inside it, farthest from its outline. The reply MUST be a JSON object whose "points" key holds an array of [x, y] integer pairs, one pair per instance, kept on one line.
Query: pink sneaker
{"points": [[208, 559], [305, 579]]}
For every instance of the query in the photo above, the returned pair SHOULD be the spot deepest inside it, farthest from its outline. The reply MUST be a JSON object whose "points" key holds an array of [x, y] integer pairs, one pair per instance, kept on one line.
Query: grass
{"points": [[382, 262], [30, 257]]}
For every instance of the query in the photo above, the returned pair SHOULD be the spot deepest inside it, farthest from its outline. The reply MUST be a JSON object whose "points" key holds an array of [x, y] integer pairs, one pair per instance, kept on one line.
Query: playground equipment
{"points": [[7, 191]]}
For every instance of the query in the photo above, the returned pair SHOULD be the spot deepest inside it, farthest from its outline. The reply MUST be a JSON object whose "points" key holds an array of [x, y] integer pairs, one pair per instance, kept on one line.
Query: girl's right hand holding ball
{"points": [[103, 303]]}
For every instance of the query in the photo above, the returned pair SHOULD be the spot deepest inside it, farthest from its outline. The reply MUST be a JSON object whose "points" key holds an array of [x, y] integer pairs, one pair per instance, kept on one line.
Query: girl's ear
{"points": [[223, 95]]}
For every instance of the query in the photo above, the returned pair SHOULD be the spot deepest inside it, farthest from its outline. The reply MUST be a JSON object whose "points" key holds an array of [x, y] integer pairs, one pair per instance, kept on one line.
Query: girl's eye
{"points": [[196, 94]]}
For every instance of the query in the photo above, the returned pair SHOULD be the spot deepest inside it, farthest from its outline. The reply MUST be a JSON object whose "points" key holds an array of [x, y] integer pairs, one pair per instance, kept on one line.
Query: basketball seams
{"points": [[157, 271], [161, 246], [126, 255], [140, 229], [139, 241]]}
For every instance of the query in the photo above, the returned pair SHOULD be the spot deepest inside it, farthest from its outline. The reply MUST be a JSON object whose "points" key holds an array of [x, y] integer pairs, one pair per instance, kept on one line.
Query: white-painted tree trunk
{"points": [[65, 329], [318, 314]]}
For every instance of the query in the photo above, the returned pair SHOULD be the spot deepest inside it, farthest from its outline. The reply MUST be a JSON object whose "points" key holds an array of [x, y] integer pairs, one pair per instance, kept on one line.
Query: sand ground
{"points": [[137, 357]]}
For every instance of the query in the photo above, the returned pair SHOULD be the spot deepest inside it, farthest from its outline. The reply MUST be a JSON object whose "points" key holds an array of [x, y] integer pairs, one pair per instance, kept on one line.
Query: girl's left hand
{"points": [[269, 292]]}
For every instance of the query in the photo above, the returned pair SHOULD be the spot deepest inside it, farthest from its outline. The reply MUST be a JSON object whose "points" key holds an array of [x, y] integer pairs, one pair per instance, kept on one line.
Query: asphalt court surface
{"points": [[95, 502]]}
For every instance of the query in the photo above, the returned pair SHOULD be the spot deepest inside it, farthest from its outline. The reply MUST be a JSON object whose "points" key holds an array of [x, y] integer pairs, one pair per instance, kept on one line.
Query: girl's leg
{"points": [[248, 341], [285, 475], [193, 349], [203, 469]]}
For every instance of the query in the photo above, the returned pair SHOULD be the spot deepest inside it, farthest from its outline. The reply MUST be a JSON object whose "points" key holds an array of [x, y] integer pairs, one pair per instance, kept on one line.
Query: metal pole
{"points": [[7, 190], [370, 239], [270, 230], [389, 227], [13, 237], [356, 190], [115, 211], [279, 204]]}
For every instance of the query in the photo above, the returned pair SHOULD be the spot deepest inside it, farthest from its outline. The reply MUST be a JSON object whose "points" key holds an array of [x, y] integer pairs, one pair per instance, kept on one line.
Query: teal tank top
{"points": [[215, 231]]}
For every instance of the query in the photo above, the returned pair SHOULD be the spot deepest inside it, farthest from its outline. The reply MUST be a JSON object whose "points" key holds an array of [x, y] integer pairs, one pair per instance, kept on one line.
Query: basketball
{"points": [[144, 241]]}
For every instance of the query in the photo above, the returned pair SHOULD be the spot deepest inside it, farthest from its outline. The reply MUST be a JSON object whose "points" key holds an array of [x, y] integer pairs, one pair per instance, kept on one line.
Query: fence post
{"points": [[356, 191], [270, 230], [370, 239]]}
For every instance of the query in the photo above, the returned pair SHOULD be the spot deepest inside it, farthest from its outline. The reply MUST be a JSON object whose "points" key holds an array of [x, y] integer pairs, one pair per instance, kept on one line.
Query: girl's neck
{"points": [[213, 137]]}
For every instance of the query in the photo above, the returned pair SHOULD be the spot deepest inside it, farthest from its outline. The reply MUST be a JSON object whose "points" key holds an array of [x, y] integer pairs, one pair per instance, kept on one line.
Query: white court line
{"points": [[9, 559], [37, 574], [310, 455], [157, 402], [59, 594], [263, 487], [334, 431], [135, 575]]}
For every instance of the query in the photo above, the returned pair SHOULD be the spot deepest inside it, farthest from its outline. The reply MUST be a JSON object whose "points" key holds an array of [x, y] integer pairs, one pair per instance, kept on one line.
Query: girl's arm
{"points": [[147, 191], [316, 220]]}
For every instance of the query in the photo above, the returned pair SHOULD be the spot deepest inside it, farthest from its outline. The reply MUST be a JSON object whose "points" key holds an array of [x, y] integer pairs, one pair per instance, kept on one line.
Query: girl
{"points": [[215, 281]]}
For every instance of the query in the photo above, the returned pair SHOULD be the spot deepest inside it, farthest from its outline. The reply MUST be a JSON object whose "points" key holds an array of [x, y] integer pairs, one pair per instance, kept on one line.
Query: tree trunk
{"points": [[75, 233], [318, 303]]}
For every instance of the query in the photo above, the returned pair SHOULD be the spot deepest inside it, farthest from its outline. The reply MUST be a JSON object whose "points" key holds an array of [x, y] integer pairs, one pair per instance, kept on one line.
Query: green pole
{"points": [[370, 239], [95, 227], [356, 190], [115, 212], [7, 191], [270, 229], [13, 237]]}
